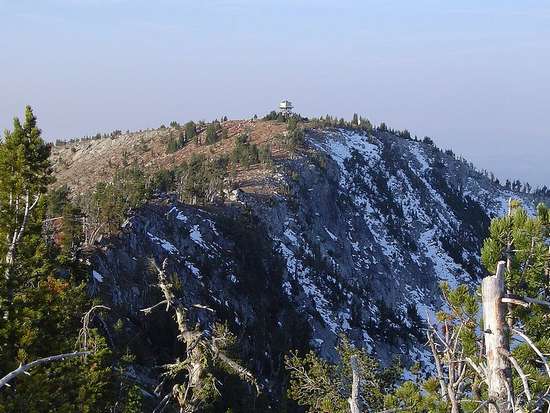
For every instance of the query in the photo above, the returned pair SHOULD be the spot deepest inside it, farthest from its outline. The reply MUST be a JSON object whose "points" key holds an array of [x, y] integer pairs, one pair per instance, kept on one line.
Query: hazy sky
{"points": [[474, 77]]}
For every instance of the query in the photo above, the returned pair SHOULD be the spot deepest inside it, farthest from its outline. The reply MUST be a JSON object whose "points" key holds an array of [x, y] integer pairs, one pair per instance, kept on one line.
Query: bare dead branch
{"points": [[23, 368], [163, 403], [203, 307], [508, 300], [439, 370], [461, 377], [508, 392], [241, 371], [520, 372], [535, 349], [84, 332], [524, 301], [149, 310], [478, 369]]}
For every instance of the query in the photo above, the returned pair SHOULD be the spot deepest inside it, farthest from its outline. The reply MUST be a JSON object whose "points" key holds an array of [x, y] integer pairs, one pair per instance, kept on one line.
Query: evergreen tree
{"points": [[107, 207], [176, 143], [201, 180], [190, 131], [325, 388], [521, 241], [245, 153], [366, 124], [212, 133], [24, 177], [292, 124], [41, 307], [264, 155]]}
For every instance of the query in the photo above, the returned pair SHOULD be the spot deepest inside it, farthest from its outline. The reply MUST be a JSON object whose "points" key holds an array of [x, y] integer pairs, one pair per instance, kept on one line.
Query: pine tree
{"points": [[324, 387], [365, 124], [41, 307], [212, 133], [24, 177], [190, 131], [292, 124]]}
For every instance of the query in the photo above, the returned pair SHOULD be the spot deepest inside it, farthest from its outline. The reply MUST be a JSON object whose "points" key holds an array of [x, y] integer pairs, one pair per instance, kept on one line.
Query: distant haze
{"points": [[475, 76]]}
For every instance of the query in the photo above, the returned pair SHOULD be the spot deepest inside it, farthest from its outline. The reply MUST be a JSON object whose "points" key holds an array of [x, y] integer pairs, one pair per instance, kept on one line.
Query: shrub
{"points": [[190, 130], [163, 180], [264, 155], [176, 143], [212, 133], [244, 153], [293, 139], [202, 181]]}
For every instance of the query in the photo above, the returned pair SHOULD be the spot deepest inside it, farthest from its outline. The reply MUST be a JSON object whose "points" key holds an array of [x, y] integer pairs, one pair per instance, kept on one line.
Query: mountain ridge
{"points": [[350, 234]]}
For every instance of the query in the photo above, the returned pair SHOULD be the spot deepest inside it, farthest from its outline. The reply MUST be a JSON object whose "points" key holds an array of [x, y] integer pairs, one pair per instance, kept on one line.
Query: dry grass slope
{"points": [[82, 164]]}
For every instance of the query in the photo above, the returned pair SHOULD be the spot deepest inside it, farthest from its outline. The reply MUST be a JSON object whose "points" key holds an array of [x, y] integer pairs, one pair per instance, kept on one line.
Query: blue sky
{"points": [[473, 75]]}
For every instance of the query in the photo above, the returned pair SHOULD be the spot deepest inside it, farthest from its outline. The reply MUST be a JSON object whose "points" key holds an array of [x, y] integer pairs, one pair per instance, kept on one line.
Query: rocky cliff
{"points": [[350, 235]]}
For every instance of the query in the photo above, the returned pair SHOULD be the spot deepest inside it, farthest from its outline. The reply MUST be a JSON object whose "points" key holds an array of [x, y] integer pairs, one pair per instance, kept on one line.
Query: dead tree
{"points": [[450, 362], [199, 347], [355, 398], [496, 336], [84, 333]]}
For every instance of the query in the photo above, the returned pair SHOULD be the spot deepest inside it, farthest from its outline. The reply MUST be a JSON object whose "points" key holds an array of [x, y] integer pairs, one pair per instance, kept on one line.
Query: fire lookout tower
{"points": [[285, 107]]}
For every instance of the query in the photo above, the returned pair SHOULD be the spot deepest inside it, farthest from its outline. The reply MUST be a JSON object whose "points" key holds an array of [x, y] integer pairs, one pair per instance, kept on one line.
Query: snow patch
{"points": [[179, 216], [166, 245], [291, 236], [196, 272], [196, 237], [416, 150], [97, 276], [331, 235]]}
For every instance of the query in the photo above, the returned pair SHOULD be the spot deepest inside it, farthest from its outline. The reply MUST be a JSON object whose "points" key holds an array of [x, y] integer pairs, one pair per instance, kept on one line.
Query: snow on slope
{"points": [[387, 237], [362, 229]]}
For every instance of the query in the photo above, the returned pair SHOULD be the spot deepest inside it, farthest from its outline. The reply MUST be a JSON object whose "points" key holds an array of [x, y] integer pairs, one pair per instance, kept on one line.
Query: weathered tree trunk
{"points": [[186, 395], [496, 336], [354, 400], [455, 405], [198, 347]]}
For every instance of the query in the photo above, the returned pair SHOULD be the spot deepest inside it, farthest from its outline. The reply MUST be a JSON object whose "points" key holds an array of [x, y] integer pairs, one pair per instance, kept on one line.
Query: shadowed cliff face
{"points": [[353, 236]]}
